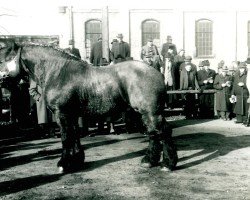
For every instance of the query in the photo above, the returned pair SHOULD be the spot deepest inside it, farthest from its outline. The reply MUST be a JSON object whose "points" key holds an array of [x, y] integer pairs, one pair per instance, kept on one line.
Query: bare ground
{"points": [[213, 164]]}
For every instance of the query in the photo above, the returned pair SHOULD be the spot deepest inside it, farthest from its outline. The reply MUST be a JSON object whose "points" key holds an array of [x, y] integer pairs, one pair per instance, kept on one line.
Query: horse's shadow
{"points": [[42, 151], [212, 144], [20, 184]]}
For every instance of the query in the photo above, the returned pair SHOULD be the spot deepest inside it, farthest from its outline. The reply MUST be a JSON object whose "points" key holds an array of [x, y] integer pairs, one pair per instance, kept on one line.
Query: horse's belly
{"points": [[100, 105]]}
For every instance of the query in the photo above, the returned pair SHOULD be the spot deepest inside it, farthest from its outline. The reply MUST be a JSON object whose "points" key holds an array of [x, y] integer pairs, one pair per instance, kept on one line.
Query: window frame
{"points": [[198, 55], [86, 33], [248, 36], [143, 32]]}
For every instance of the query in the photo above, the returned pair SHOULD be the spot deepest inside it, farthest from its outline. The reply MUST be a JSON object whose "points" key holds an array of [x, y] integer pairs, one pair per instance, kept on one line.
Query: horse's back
{"points": [[143, 84]]}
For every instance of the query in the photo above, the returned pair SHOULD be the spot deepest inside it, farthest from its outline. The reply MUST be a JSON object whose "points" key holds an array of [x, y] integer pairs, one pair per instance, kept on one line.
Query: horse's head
{"points": [[9, 58]]}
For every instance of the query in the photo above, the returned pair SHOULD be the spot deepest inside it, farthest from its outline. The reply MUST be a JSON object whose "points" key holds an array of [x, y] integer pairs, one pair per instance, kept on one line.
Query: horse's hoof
{"points": [[60, 170], [146, 165], [165, 169]]}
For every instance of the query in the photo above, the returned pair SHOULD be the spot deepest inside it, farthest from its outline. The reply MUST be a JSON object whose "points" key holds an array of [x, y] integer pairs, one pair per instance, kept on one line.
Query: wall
{"points": [[229, 41]]}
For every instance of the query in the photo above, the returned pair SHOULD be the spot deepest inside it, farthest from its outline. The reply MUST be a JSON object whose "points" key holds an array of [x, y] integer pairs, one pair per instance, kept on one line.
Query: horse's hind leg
{"points": [[170, 157], [72, 152], [160, 137]]}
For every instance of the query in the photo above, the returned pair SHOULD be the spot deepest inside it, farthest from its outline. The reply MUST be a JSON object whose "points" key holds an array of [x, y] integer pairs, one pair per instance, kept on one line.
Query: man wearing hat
{"points": [[168, 45], [178, 60], [120, 50], [223, 84], [149, 54], [188, 81], [188, 61], [241, 93], [205, 79], [72, 50], [96, 54]]}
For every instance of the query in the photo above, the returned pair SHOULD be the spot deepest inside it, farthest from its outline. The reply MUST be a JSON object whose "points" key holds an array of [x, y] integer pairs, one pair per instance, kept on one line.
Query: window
{"points": [[204, 38], [93, 30], [248, 37], [150, 29]]}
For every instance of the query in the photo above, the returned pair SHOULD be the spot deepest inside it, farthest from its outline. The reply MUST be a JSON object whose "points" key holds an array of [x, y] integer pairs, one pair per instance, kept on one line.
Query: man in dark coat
{"points": [[96, 53], [188, 81], [120, 50], [150, 55], [241, 93], [188, 61], [166, 46], [223, 84], [205, 79], [71, 49], [178, 60]]}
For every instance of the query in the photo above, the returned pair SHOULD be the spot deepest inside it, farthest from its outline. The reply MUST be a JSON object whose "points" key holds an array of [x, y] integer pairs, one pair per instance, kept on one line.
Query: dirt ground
{"points": [[213, 164]]}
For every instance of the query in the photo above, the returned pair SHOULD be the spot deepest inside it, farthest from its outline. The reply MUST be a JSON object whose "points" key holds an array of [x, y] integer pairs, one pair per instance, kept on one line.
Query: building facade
{"points": [[204, 34]]}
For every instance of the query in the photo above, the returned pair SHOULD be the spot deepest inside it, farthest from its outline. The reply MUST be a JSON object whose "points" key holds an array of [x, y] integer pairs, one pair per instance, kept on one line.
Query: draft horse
{"points": [[73, 88]]}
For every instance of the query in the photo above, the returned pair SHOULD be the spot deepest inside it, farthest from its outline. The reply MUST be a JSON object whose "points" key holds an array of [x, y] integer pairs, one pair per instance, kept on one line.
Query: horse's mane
{"points": [[63, 52]]}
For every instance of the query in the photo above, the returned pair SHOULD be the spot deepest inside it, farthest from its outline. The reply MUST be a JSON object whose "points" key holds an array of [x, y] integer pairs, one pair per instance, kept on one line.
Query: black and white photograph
{"points": [[122, 100]]}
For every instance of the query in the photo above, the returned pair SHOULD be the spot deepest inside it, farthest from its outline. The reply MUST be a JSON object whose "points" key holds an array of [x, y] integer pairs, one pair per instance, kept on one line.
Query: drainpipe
{"points": [[236, 35], [71, 27], [183, 29]]}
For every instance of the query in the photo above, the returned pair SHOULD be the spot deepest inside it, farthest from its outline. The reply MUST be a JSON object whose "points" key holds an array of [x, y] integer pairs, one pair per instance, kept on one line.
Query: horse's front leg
{"points": [[72, 152]]}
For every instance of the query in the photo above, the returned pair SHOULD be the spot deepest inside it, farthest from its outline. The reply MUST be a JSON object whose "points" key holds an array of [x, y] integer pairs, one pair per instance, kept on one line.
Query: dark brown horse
{"points": [[73, 88]]}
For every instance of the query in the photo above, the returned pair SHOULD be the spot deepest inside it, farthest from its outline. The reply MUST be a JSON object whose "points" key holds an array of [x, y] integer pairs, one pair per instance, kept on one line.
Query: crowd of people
{"points": [[229, 82], [227, 102]]}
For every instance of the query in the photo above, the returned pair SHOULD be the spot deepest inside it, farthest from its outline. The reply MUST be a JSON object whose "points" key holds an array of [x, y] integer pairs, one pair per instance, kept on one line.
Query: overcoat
{"points": [[96, 53], [36, 92], [165, 47], [206, 100], [223, 93], [120, 51], [184, 80], [205, 75], [241, 93], [178, 60]]}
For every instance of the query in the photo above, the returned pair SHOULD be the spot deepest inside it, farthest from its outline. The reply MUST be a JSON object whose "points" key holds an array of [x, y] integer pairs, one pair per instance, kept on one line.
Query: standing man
{"points": [[150, 55], [205, 79], [120, 50], [188, 81], [96, 53], [178, 60], [168, 45], [71, 49], [241, 93], [223, 84], [44, 116], [188, 61]]}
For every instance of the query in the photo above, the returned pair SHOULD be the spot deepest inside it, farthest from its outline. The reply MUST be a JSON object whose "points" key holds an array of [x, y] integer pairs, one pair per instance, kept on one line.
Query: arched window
{"points": [[204, 38], [93, 30], [248, 37], [150, 29]]}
